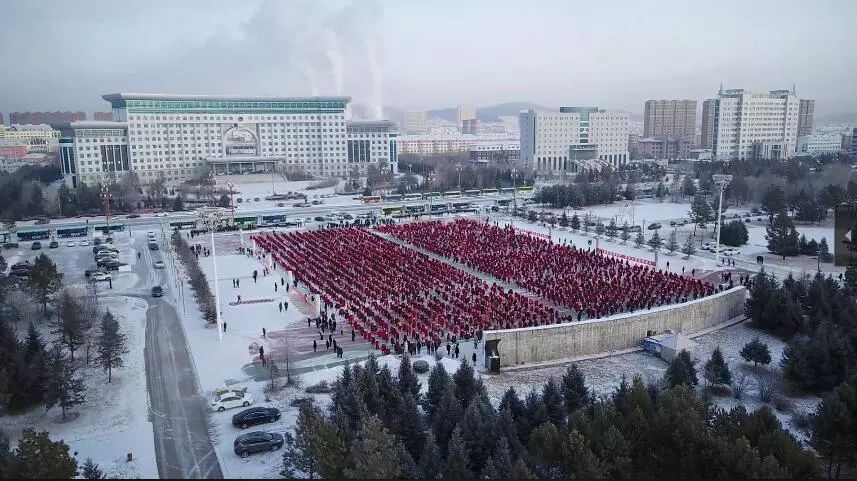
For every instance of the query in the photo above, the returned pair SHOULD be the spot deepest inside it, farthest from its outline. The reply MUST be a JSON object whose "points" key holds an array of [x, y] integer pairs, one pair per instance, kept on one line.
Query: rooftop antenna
{"points": [[721, 88]]}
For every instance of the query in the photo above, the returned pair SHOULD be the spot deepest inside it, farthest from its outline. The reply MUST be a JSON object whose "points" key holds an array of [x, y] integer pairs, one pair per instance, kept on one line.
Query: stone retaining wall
{"points": [[622, 331]]}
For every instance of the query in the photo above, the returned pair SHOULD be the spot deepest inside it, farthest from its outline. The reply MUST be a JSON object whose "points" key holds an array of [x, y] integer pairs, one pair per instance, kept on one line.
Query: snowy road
{"points": [[178, 411]]}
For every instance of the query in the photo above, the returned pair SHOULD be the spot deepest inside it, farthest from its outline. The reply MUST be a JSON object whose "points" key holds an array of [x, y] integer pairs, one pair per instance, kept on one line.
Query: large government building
{"points": [[178, 137]]}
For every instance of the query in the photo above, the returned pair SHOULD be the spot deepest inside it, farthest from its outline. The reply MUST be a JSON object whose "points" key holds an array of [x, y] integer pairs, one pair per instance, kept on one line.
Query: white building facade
{"points": [[574, 138], [38, 138], [464, 112], [93, 152], [817, 144], [435, 144], [416, 122], [372, 142], [751, 125], [178, 137]]}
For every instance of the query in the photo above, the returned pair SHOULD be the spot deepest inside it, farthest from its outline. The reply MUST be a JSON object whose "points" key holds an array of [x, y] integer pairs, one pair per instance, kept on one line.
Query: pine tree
{"points": [[599, 229], [681, 370], [833, 429], [465, 383], [563, 220], [700, 212], [716, 369], [44, 280], [579, 461], [612, 229], [502, 458], [689, 247], [757, 352], [438, 383], [407, 378], [574, 390], [64, 387], [824, 251], [431, 465], [178, 203], [507, 427], [546, 451], [520, 470], [640, 239], [478, 429], [615, 455], [782, 236], [554, 403], [31, 374], [457, 461], [90, 470], [40, 458], [655, 242], [489, 471], [70, 323], [625, 234], [111, 345], [575, 222], [411, 426], [446, 418], [374, 453], [536, 410], [672, 243]]}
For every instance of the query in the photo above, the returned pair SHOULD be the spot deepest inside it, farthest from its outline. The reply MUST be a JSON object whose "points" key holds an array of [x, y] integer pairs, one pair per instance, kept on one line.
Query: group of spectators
{"points": [[591, 284], [391, 294]]}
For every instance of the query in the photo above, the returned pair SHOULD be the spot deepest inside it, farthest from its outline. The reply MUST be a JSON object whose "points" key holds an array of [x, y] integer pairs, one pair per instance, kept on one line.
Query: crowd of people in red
{"points": [[391, 294], [592, 285]]}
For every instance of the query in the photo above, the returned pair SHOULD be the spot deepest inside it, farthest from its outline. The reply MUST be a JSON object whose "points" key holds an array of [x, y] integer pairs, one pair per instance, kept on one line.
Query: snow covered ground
{"points": [[114, 419]]}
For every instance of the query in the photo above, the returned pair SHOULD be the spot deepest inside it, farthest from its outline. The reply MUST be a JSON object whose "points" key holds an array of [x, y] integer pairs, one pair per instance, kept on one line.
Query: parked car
{"points": [[54, 244], [730, 251], [69, 244], [280, 204], [97, 241], [160, 265], [255, 199], [36, 246], [132, 216], [153, 246], [747, 221], [254, 416], [317, 202], [100, 276], [109, 240], [89, 272], [319, 218], [673, 223], [161, 214], [42, 221], [654, 226], [257, 441], [157, 291], [84, 242], [10, 245], [231, 399]]}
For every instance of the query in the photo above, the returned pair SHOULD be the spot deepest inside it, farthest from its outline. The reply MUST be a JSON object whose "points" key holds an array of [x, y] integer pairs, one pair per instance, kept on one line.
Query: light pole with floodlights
{"points": [[721, 181], [430, 180], [105, 196], [210, 217], [458, 168], [514, 194]]}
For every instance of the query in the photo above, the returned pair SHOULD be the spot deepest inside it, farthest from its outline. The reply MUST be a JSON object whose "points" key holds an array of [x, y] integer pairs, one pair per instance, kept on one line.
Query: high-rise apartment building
{"points": [[464, 112], [574, 139], [755, 125], [470, 126], [669, 118], [416, 122], [706, 129], [806, 117], [102, 116]]}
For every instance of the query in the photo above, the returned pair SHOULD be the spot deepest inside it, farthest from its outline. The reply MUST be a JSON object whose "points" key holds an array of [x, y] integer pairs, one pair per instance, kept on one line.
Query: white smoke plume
{"points": [[375, 101], [335, 58], [312, 80]]}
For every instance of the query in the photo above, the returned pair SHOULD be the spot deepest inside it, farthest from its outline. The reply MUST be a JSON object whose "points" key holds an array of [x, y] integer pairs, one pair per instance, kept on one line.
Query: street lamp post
{"points": [[231, 186], [514, 194], [458, 168], [721, 181], [210, 216], [105, 196], [430, 180]]}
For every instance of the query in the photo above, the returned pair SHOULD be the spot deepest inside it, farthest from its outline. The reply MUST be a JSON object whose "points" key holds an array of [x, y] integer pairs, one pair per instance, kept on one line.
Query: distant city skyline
{"points": [[415, 56]]}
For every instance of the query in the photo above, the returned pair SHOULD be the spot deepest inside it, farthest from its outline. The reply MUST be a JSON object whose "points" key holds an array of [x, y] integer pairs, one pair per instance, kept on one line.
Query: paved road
{"points": [[179, 414]]}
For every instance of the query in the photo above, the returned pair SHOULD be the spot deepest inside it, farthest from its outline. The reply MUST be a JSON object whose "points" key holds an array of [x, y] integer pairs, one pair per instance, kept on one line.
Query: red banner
{"points": [[534, 234], [638, 260]]}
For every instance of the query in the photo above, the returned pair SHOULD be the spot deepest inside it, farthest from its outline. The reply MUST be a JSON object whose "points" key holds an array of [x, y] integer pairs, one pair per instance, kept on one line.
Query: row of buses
{"points": [[451, 194]]}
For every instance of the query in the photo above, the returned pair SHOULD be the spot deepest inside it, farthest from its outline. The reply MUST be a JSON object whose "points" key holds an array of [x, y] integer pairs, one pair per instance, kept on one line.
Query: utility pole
{"points": [[721, 181]]}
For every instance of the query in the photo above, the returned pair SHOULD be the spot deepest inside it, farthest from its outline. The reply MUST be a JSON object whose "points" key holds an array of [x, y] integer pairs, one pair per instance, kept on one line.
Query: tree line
{"points": [[380, 425], [198, 282]]}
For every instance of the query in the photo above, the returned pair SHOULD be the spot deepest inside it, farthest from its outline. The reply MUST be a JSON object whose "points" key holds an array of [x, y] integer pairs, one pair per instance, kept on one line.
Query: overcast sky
{"points": [[63, 55]]}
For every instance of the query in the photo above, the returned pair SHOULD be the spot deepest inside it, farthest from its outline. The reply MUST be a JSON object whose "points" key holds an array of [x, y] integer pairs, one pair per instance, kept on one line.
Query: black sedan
{"points": [[257, 441], [256, 415]]}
